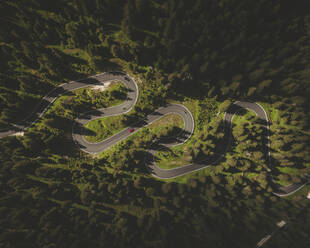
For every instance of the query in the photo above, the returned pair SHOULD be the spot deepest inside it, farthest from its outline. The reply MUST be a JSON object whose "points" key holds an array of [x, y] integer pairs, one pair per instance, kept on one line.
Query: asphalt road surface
{"points": [[126, 106]]}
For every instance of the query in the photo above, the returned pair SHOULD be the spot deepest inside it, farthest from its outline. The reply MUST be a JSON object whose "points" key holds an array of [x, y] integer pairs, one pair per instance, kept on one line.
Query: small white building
{"points": [[281, 223]]}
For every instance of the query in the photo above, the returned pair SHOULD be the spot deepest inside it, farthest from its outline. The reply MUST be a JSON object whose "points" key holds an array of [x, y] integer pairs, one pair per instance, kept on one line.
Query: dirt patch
{"points": [[101, 87], [18, 134]]}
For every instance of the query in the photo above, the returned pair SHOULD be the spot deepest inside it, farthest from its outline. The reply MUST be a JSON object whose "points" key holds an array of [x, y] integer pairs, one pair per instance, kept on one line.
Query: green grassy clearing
{"points": [[173, 158], [104, 127], [170, 120]]}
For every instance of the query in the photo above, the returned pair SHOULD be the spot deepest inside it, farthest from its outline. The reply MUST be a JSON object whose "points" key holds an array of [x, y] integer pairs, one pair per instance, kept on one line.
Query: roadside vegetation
{"points": [[203, 54], [104, 127], [169, 159]]}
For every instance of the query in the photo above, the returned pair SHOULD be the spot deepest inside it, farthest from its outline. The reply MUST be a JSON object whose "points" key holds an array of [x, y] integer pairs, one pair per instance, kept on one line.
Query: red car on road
{"points": [[131, 130]]}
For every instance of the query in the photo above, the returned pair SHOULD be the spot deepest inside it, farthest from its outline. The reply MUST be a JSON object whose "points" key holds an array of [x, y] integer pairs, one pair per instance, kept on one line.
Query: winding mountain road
{"points": [[125, 107]]}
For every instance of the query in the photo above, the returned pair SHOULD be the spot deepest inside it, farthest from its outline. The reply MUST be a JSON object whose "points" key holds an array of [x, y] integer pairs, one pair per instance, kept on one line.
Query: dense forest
{"points": [[203, 53]]}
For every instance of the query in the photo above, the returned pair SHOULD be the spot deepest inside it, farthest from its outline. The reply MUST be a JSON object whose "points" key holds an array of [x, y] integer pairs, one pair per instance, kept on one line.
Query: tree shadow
{"points": [[89, 80], [234, 109], [134, 120], [140, 156], [78, 128], [97, 113], [164, 144], [129, 90], [118, 73]]}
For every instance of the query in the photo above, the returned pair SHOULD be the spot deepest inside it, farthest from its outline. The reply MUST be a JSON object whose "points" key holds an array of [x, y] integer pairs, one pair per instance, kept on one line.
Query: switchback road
{"points": [[126, 106]]}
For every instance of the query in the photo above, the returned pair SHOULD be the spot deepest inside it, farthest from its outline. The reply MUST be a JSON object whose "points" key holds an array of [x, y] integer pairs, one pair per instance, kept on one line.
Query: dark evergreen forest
{"points": [[211, 52]]}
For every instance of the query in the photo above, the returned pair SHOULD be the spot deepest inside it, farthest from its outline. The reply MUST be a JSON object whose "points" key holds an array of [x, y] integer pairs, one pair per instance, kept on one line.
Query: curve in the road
{"points": [[126, 106]]}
